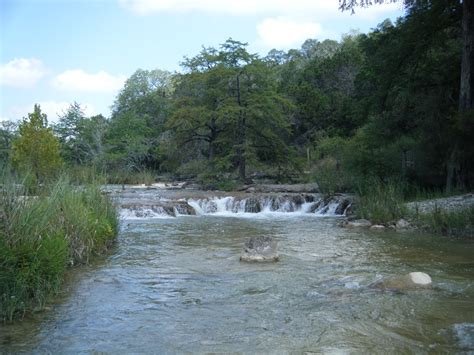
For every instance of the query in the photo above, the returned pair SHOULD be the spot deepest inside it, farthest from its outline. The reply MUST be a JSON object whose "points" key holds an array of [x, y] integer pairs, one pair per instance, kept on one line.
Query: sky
{"points": [[56, 52]]}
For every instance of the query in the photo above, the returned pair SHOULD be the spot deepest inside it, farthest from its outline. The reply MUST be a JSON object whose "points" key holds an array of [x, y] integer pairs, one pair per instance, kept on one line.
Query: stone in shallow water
{"points": [[413, 280], [377, 227], [260, 249], [358, 223]]}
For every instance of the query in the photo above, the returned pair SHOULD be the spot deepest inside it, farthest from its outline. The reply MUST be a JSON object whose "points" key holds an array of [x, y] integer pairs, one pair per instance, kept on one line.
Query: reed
{"points": [[42, 235]]}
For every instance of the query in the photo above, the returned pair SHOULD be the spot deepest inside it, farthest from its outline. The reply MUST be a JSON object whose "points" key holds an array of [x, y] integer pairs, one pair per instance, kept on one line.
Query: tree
{"points": [[67, 131], [466, 95], [129, 142], [138, 117], [198, 99], [36, 147], [229, 100], [8, 130]]}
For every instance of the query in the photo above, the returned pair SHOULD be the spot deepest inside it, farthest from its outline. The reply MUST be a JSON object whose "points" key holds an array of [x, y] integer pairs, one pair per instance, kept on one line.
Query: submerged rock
{"points": [[260, 249], [464, 332], [411, 281]]}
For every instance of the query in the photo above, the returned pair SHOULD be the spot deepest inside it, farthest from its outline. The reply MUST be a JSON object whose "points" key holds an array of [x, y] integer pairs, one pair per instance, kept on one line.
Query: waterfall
{"points": [[297, 204]]}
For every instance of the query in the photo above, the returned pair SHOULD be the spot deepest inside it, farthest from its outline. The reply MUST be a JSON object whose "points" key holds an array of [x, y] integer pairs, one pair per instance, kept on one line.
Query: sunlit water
{"points": [[175, 285]]}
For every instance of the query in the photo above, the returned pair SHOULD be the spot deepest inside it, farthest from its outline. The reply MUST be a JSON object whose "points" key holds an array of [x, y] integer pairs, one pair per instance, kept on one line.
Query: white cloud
{"points": [[79, 80], [283, 33], [22, 72], [52, 109], [248, 7]]}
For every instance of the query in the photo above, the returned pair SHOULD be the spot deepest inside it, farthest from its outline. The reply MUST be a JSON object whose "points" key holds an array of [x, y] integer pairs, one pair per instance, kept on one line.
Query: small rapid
{"points": [[241, 206]]}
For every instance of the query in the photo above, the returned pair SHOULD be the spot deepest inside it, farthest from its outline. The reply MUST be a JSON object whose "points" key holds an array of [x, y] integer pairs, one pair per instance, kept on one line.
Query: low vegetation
{"points": [[453, 223], [381, 203], [41, 236]]}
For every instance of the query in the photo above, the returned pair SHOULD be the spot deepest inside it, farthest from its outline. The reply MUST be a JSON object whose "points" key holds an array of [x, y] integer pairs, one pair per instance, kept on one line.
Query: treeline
{"points": [[382, 105]]}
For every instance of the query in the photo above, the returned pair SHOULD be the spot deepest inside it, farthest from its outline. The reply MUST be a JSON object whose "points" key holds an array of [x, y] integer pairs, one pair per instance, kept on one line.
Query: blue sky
{"points": [[55, 52]]}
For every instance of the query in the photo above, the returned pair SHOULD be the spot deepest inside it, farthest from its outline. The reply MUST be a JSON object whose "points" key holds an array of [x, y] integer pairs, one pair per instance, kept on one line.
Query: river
{"points": [[175, 285]]}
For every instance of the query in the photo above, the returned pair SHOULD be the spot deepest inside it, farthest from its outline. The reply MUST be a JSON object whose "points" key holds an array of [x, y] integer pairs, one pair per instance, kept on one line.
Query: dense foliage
{"points": [[383, 105]]}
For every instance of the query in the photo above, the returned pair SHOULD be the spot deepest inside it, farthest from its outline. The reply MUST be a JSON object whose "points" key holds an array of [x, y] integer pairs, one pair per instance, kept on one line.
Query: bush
{"points": [[40, 236], [330, 177]]}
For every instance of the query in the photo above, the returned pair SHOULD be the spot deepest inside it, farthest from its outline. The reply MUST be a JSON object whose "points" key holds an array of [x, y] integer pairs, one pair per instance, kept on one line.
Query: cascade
{"points": [[296, 204]]}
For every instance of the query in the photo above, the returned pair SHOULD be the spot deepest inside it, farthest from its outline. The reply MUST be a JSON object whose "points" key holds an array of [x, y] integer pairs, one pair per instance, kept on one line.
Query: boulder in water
{"points": [[358, 223], [377, 227], [260, 249], [411, 281]]}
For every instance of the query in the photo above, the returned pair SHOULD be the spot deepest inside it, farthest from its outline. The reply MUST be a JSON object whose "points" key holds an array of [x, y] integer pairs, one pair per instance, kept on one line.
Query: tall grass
{"points": [[456, 223], [381, 202], [42, 235], [146, 177]]}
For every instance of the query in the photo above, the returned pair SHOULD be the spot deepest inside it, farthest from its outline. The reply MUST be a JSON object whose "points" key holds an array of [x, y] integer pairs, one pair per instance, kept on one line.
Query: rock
{"points": [[377, 227], [342, 206], [184, 208], [402, 224], [315, 207], [260, 249], [411, 281], [358, 223], [252, 205]]}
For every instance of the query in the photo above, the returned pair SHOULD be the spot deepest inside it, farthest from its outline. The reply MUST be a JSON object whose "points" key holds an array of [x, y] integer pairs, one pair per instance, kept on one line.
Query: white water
{"points": [[230, 206]]}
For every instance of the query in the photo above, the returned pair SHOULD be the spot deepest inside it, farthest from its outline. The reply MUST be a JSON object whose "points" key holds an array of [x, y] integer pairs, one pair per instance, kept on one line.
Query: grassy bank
{"points": [[42, 235], [380, 203], [455, 223], [385, 203]]}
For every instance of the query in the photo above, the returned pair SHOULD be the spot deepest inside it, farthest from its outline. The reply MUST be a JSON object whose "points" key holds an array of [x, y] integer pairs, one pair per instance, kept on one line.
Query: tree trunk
{"points": [[467, 84]]}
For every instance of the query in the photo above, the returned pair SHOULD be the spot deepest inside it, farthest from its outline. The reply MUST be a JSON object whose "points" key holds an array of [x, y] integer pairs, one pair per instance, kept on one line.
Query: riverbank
{"points": [[41, 236], [448, 216]]}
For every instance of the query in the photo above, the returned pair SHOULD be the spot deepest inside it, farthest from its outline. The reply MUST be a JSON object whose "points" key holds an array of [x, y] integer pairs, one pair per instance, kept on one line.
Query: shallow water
{"points": [[176, 285]]}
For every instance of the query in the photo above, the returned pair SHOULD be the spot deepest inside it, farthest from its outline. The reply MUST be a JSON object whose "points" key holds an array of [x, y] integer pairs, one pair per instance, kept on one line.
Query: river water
{"points": [[175, 285]]}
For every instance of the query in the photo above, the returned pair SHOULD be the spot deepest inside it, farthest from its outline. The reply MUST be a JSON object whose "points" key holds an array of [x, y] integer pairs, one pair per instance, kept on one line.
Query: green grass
{"points": [[41, 236], [455, 223], [381, 203], [146, 177]]}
